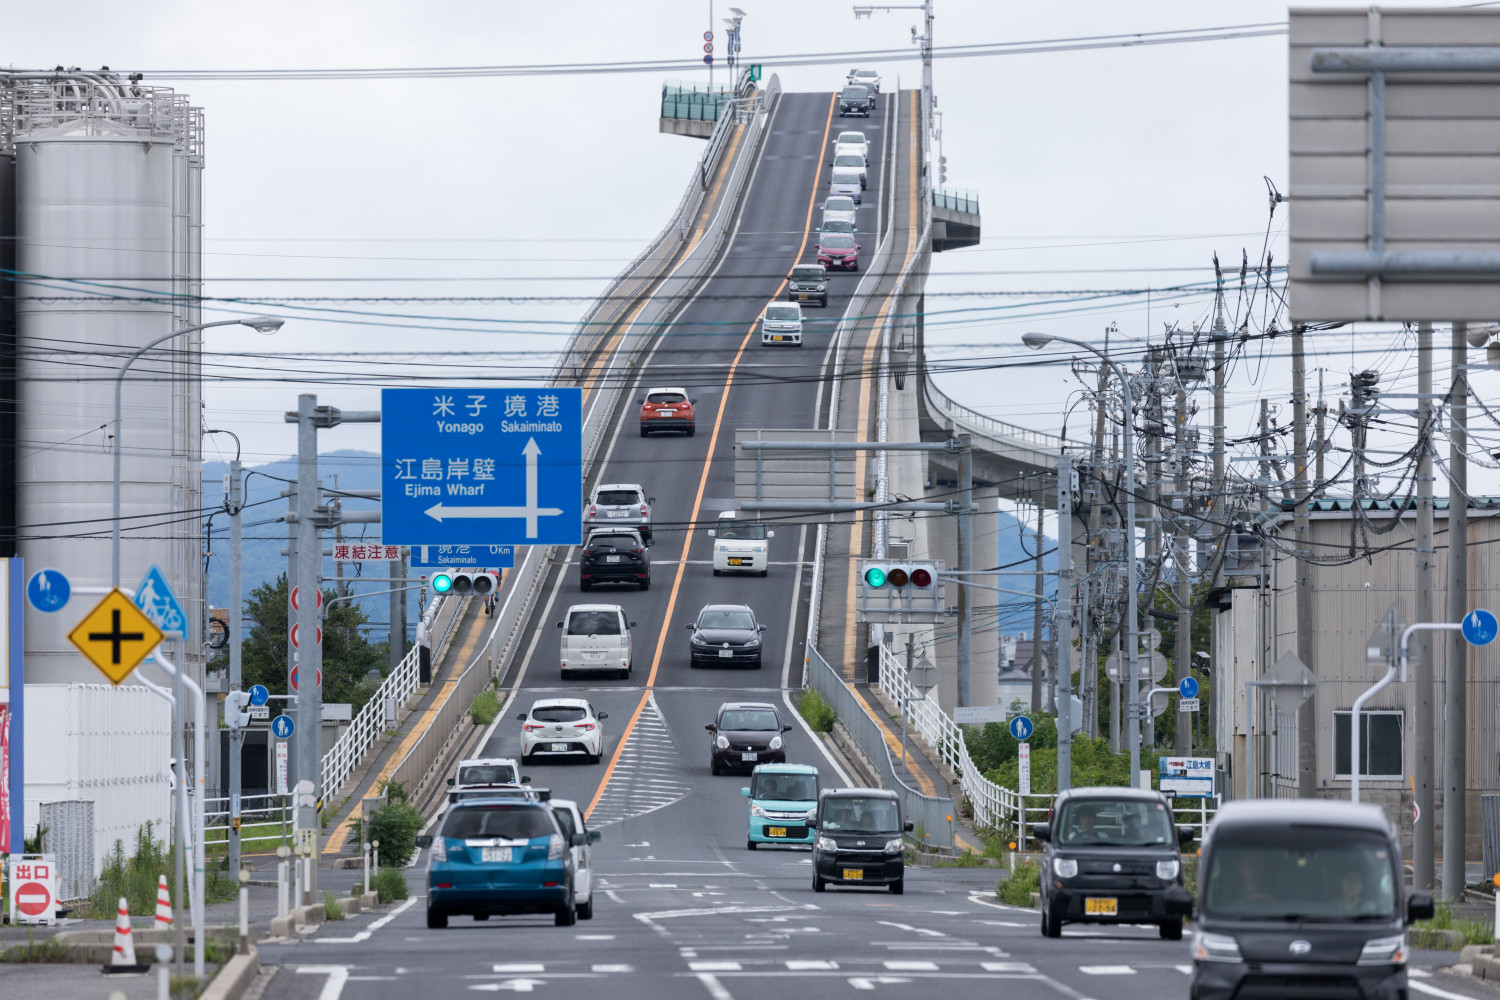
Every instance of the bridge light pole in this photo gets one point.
(1036, 341)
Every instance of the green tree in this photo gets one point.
(347, 657)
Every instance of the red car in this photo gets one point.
(667, 409)
(838, 250)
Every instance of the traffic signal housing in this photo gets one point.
(480, 582)
(900, 592)
(237, 709)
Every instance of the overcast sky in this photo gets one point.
(1106, 169)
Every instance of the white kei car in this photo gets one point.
(562, 727)
(596, 637)
(570, 818)
(740, 546)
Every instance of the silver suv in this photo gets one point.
(619, 505)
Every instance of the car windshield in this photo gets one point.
(856, 94)
(807, 274)
(594, 623)
(783, 313)
(617, 498)
(860, 815)
(865, 74)
(726, 619)
(838, 226)
(666, 398)
(837, 241)
(746, 531)
(1116, 822)
(848, 160)
(853, 137)
(1302, 874)
(564, 820)
(558, 713)
(839, 205)
(487, 774)
(614, 542)
(784, 787)
(845, 177)
(504, 822)
(461, 794)
(750, 720)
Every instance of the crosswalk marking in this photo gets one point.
(513, 967)
(1022, 967)
(897, 965)
(714, 966)
(1106, 970)
(810, 965)
(616, 969)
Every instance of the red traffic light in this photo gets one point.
(921, 578)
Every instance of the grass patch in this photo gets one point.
(253, 837)
(1475, 930)
(47, 951)
(967, 859)
(484, 707)
(390, 883)
(817, 712)
(1016, 889)
(331, 908)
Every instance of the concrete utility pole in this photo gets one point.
(1456, 681)
(308, 654)
(1063, 629)
(1425, 553)
(1036, 614)
(1307, 717)
(1220, 336)
(966, 565)
(397, 623)
(236, 613)
(1183, 728)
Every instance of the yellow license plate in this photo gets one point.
(775, 831)
(735, 561)
(854, 874)
(777, 336)
(1101, 907)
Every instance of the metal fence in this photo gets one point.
(266, 823)
(695, 100)
(69, 838)
(957, 199)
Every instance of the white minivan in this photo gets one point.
(741, 545)
(596, 638)
(570, 818)
(781, 323)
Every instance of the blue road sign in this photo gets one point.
(1480, 627)
(1188, 688)
(463, 556)
(1021, 727)
(259, 695)
(156, 599)
(282, 727)
(48, 590)
(481, 466)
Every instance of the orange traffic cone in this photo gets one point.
(123, 959)
(163, 904)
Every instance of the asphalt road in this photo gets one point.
(682, 908)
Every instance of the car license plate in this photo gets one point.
(593, 654)
(775, 831)
(618, 513)
(1106, 907)
(494, 853)
(737, 561)
(611, 559)
(559, 747)
(749, 756)
(777, 336)
(666, 413)
(803, 295)
(854, 874)
(725, 654)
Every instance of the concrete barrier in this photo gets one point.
(297, 918)
(234, 978)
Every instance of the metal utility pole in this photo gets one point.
(397, 623)
(1183, 728)
(1425, 552)
(308, 653)
(966, 565)
(236, 613)
(1456, 681)
(1036, 614)
(1114, 698)
(1322, 412)
(1063, 628)
(1307, 717)
(925, 41)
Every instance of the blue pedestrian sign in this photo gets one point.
(1480, 627)
(48, 590)
(282, 727)
(1021, 727)
(1188, 688)
(463, 556)
(156, 599)
(259, 695)
(481, 466)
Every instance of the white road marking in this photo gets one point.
(715, 988)
(596, 937)
(1106, 970)
(337, 976)
(870, 982)
(925, 932)
(715, 966)
(517, 968)
(1433, 991)
(1025, 968)
(809, 965)
(898, 965)
(364, 935)
(1419, 973)
(1186, 970)
(614, 969)
(516, 985)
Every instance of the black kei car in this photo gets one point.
(1111, 856)
(1302, 897)
(746, 734)
(614, 555)
(725, 635)
(859, 839)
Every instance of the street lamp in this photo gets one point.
(1036, 341)
(262, 324)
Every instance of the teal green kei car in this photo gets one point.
(781, 798)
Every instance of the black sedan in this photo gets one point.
(618, 555)
(746, 734)
(725, 635)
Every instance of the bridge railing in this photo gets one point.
(983, 425)
(956, 199)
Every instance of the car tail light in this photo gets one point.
(684, 405)
(588, 552)
(587, 727)
(635, 551)
(645, 509)
(534, 729)
(593, 510)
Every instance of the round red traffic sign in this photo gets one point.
(297, 645)
(317, 603)
(708, 46)
(33, 899)
(292, 678)
(708, 36)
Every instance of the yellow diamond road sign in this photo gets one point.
(116, 636)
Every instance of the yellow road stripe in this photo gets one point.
(687, 541)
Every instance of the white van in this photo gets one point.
(596, 638)
(781, 323)
(741, 545)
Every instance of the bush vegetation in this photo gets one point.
(1475, 930)
(390, 883)
(1017, 887)
(817, 712)
(395, 823)
(484, 707)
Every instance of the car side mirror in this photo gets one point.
(688, 626)
(602, 716)
(1177, 902)
(1186, 835)
(1419, 906)
(711, 728)
(634, 624)
(452, 782)
(760, 628)
(858, 247)
(745, 792)
(641, 401)
(526, 780)
(908, 826)
(694, 401)
(559, 624)
(786, 728)
(423, 840)
(1041, 831)
(579, 840)
(812, 821)
(712, 533)
(595, 836)
(521, 717)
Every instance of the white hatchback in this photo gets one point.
(781, 323)
(562, 727)
(740, 546)
(852, 142)
(570, 818)
(595, 638)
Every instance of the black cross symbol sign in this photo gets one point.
(114, 636)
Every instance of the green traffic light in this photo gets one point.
(875, 577)
(442, 583)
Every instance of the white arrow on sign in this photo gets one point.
(870, 982)
(518, 985)
(530, 512)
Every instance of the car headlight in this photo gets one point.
(555, 847)
(1167, 870)
(775, 742)
(1064, 867)
(721, 548)
(758, 812)
(721, 741)
(1384, 951)
(1215, 948)
(698, 640)
(751, 643)
(758, 548)
(827, 844)
(893, 846)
